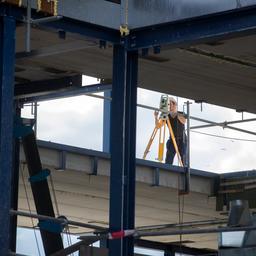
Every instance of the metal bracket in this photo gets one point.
(156, 177)
(124, 30)
(62, 161)
(51, 226)
(22, 127)
(40, 176)
(94, 166)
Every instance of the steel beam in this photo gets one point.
(52, 241)
(197, 30)
(182, 33)
(43, 87)
(192, 231)
(222, 124)
(7, 53)
(15, 186)
(122, 148)
(67, 92)
(106, 121)
(130, 148)
(187, 182)
(57, 220)
(64, 24)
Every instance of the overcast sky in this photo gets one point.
(78, 121)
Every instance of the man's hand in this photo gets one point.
(181, 118)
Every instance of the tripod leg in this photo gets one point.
(174, 142)
(159, 125)
(161, 143)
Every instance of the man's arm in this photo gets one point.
(182, 118)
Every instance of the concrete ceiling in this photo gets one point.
(221, 73)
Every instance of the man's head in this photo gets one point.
(173, 104)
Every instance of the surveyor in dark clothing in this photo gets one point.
(177, 121)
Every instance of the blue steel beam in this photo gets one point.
(130, 148)
(15, 186)
(68, 92)
(7, 53)
(42, 87)
(117, 128)
(52, 241)
(122, 148)
(106, 121)
(182, 33)
(85, 29)
(202, 29)
(64, 24)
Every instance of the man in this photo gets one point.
(177, 121)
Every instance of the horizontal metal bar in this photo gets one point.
(43, 87)
(69, 92)
(46, 19)
(238, 182)
(227, 126)
(230, 191)
(72, 149)
(237, 175)
(207, 121)
(16, 254)
(184, 224)
(223, 124)
(60, 220)
(197, 30)
(248, 187)
(194, 231)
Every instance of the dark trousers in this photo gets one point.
(170, 150)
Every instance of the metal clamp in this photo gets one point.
(40, 176)
(51, 226)
(124, 30)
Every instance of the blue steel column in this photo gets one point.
(15, 186)
(130, 147)
(106, 121)
(7, 53)
(122, 148)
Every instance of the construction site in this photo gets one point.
(78, 200)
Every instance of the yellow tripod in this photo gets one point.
(161, 124)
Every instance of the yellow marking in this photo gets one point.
(124, 30)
